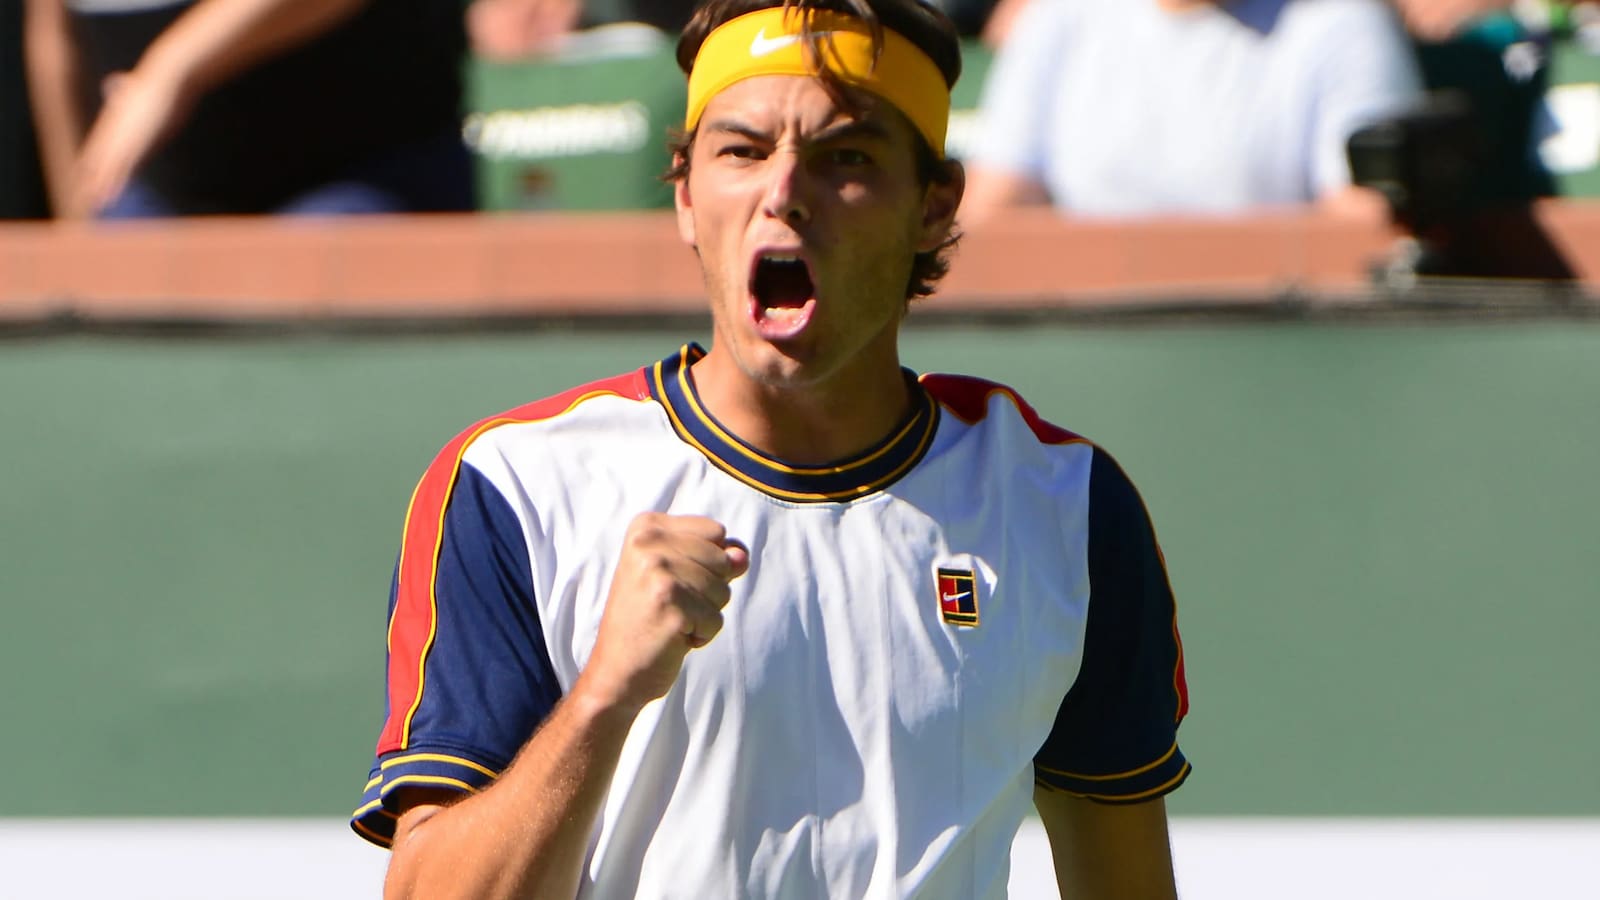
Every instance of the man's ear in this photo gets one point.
(685, 207)
(939, 204)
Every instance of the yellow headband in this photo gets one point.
(767, 42)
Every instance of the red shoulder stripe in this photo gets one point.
(415, 617)
(1180, 680)
(968, 399)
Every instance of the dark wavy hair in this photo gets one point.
(924, 26)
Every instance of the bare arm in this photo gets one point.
(53, 78)
(991, 191)
(1440, 20)
(210, 43)
(527, 835)
(218, 39)
(1356, 203)
(514, 29)
(1108, 852)
(1001, 17)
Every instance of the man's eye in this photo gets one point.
(740, 151)
(849, 156)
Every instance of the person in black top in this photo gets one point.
(250, 106)
(21, 180)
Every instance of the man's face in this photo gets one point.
(806, 217)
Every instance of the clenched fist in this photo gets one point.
(666, 599)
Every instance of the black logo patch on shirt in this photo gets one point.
(958, 596)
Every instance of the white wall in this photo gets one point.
(1216, 859)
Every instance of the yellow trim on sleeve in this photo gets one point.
(1155, 791)
(1119, 775)
(1119, 798)
(434, 757)
(373, 836)
(366, 808)
(440, 780)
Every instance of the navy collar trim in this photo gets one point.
(867, 472)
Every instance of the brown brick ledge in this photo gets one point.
(634, 264)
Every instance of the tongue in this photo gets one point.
(783, 284)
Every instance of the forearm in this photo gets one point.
(528, 834)
(1107, 852)
(53, 79)
(990, 192)
(217, 39)
(1357, 204)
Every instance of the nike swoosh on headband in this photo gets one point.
(761, 45)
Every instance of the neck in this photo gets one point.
(805, 424)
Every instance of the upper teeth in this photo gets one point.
(780, 257)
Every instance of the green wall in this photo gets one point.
(1382, 540)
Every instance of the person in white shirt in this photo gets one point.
(1184, 107)
(781, 618)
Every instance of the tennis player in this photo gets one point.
(781, 618)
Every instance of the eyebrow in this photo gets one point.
(870, 129)
(850, 128)
(731, 126)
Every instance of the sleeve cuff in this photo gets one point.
(1144, 783)
(375, 818)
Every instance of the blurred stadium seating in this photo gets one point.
(580, 129)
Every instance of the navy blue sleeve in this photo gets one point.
(469, 675)
(1115, 737)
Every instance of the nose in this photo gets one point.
(788, 193)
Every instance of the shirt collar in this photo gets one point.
(864, 473)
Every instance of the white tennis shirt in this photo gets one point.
(926, 630)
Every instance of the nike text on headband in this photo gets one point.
(768, 42)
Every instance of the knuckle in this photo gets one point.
(645, 534)
(648, 525)
(660, 585)
(677, 618)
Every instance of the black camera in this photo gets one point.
(1428, 163)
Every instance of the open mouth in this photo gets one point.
(784, 292)
(781, 281)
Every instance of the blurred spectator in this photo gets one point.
(21, 182)
(516, 29)
(1440, 20)
(970, 16)
(513, 29)
(997, 23)
(1462, 173)
(1147, 107)
(1494, 65)
(171, 107)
